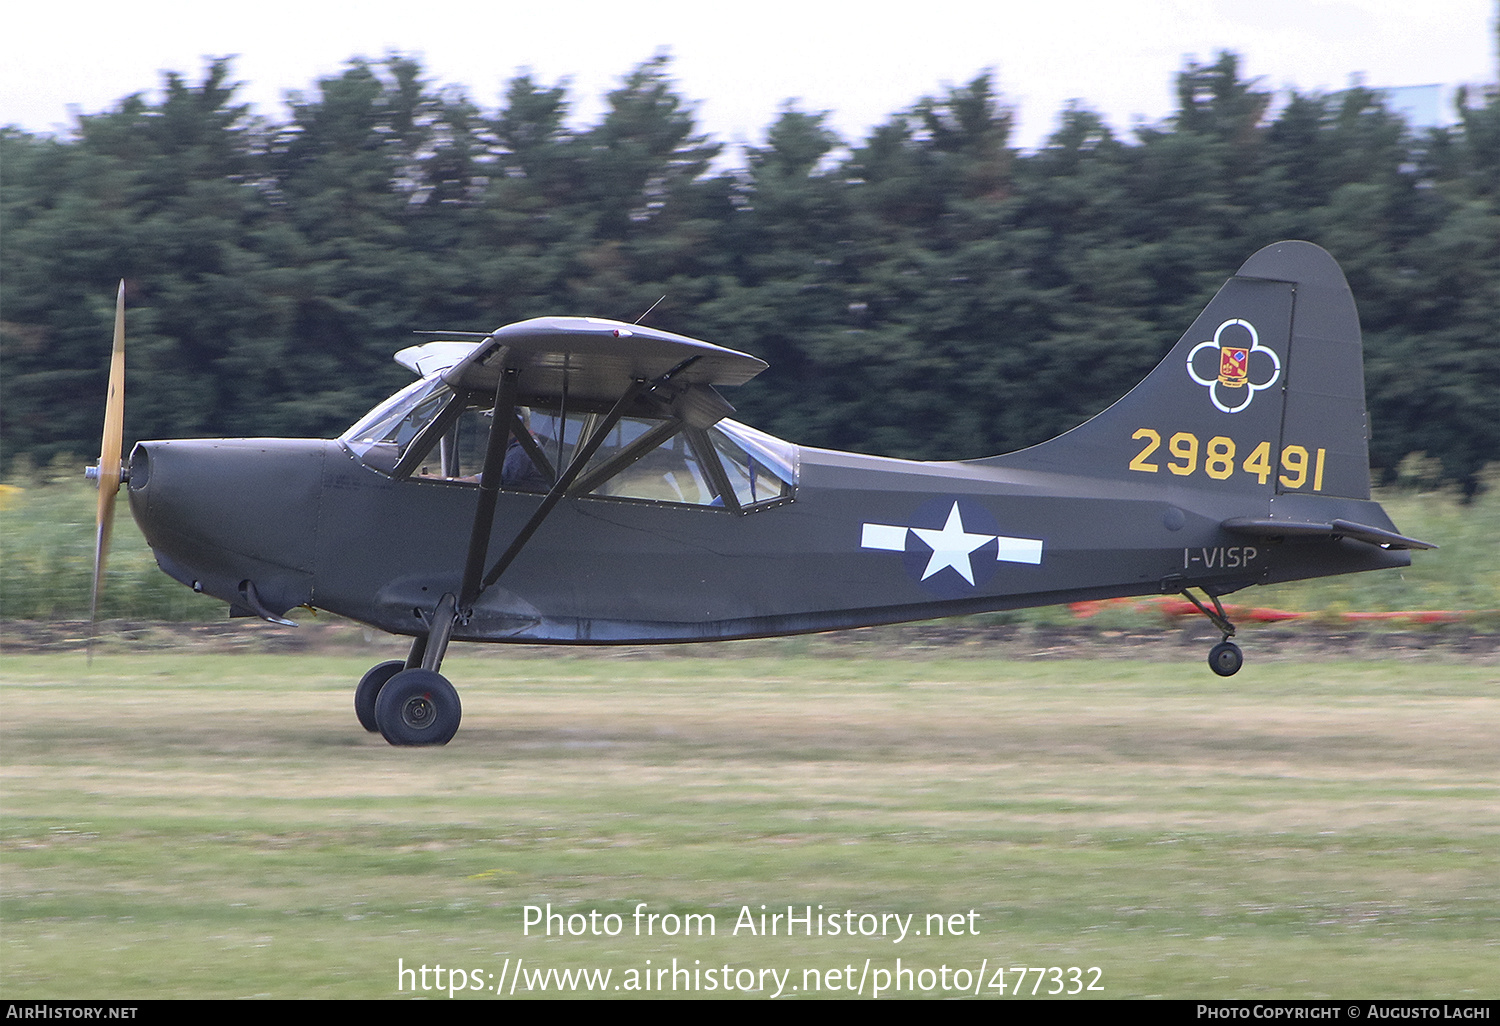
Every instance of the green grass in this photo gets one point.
(183, 825)
(1463, 573)
(47, 558)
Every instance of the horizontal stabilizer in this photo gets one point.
(1268, 528)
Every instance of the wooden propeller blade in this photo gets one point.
(109, 459)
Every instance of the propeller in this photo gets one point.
(107, 474)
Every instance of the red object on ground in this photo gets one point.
(1257, 614)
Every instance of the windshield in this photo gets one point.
(382, 435)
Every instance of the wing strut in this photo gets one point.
(489, 486)
(560, 488)
(580, 460)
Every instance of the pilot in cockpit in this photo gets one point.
(519, 473)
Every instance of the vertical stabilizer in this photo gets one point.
(1263, 395)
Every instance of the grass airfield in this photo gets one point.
(187, 825)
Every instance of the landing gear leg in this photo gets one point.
(418, 650)
(417, 705)
(1225, 658)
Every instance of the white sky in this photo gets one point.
(739, 62)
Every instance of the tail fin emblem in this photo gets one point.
(1234, 366)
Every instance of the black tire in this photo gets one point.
(418, 707)
(1225, 659)
(368, 690)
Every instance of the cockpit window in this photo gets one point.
(383, 435)
(426, 431)
(636, 462)
(760, 468)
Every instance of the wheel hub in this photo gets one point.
(418, 712)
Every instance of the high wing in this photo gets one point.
(588, 359)
(434, 357)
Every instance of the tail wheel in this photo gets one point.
(417, 707)
(1225, 659)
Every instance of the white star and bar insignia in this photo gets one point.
(952, 546)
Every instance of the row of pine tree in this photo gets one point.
(928, 291)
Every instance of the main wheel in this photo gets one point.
(418, 707)
(1225, 659)
(368, 690)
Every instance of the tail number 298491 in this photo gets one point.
(1186, 455)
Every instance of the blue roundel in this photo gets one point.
(952, 547)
